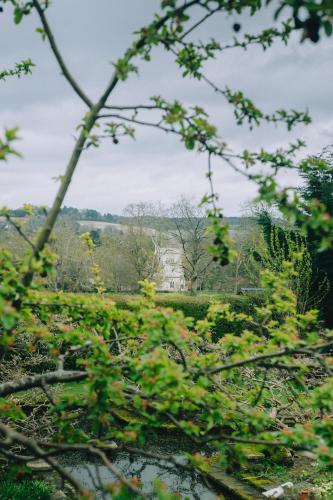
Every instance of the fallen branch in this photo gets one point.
(50, 378)
(12, 437)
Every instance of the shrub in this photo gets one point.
(35, 489)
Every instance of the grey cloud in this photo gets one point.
(154, 167)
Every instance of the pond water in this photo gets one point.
(91, 474)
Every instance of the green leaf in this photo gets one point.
(328, 28)
(41, 31)
(18, 15)
(189, 143)
(8, 321)
(11, 134)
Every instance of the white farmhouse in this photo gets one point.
(172, 275)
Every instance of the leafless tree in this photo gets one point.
(190, 231)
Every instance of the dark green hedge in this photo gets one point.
(196, 306)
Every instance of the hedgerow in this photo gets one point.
(197, 306)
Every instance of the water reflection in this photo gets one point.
(189, 486)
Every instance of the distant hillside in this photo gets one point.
(89, 214)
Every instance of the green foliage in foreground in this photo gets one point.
(25, 490)
(162, 368)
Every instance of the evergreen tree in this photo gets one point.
(279, 244)
(318, 185)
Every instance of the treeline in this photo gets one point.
(91, 214)
(136, 250)
(72, 212)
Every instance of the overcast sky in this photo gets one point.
(153, 168)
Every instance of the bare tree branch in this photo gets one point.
(114, 470)
(29, 382)
(13, 437)
(88, 125)
(19, 230)
(276, 354)
(134, 107)
(58, 56)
